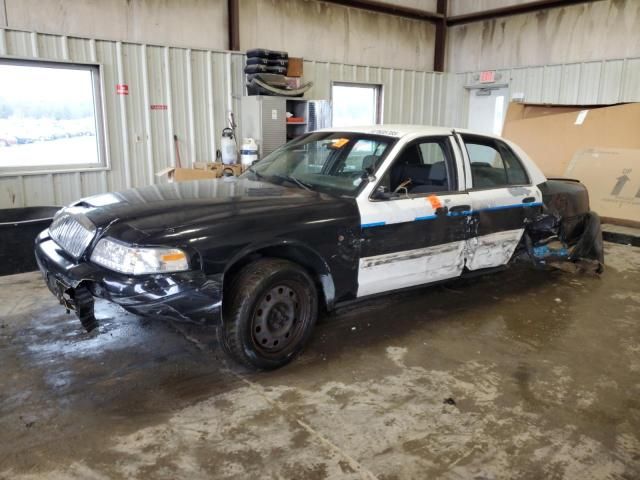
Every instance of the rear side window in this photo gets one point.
(493, 164)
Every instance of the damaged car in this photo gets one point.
(333, 216)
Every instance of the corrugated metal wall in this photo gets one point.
(200, 87)
(587, 83)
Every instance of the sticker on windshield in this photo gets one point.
(338, 142)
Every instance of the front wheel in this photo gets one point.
(269, 313)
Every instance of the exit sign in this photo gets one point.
(488, 76)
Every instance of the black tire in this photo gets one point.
(277, 70)
(269, 313)
(278, 62)
(256, 69)
(258, 53)
(258, 61)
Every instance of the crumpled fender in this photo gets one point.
(551, 240)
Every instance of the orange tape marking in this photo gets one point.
(434, 201)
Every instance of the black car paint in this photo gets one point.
(566, 217)
(218, 223)
(186, 296)
(222, 224)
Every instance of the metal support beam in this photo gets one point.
(381, 7)
(233, 24)
(512, 10)
(440, 47)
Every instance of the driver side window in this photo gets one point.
(421, 168)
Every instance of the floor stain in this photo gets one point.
(521, 374)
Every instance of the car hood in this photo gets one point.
(179, 205)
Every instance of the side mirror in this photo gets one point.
(380, 193)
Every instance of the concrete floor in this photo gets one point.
(542, 369)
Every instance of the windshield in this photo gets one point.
(333, 162)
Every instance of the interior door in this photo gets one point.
(487, 109)
(417, 234)
(502, 198)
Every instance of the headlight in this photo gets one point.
(138, 260)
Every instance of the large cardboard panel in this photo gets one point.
(522, 111)
(552, 139)
(612, 177)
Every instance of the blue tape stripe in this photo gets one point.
(459, 214)
(425, 217)
(374, 224)
(506, 207)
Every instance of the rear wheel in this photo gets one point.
(271, 309)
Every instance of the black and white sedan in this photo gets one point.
(330, 217)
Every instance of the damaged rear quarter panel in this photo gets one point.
(566, 230)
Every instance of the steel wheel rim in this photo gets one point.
(278, 318)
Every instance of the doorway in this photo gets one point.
(487, 109)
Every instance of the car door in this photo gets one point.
(417, 234)
(502, 197)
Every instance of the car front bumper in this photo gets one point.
(185, 296)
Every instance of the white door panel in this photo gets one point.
(492, 250)
(397, 270)
(500, 209)
(384, 221)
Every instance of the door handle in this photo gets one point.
(459, 209)
(441, 211)
(529, 200)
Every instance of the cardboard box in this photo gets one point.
(598, 145)
(186, 174)
(201, 171)
(612, 177)
(236, 169)
(295, 68)
(216, 167)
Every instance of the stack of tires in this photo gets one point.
(267, 65)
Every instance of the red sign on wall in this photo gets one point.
(122, 89)
(488, 76)
(159, 107)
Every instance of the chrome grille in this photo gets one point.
(72, 231)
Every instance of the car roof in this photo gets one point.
(393, 130)
(402, 130)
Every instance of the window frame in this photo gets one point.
(378, 87)
(499, 146)
(99, 102)
(450, 165)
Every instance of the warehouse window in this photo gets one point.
(49, 116)
(355, 104)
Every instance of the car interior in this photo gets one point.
(420, 168)
(489, 168)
